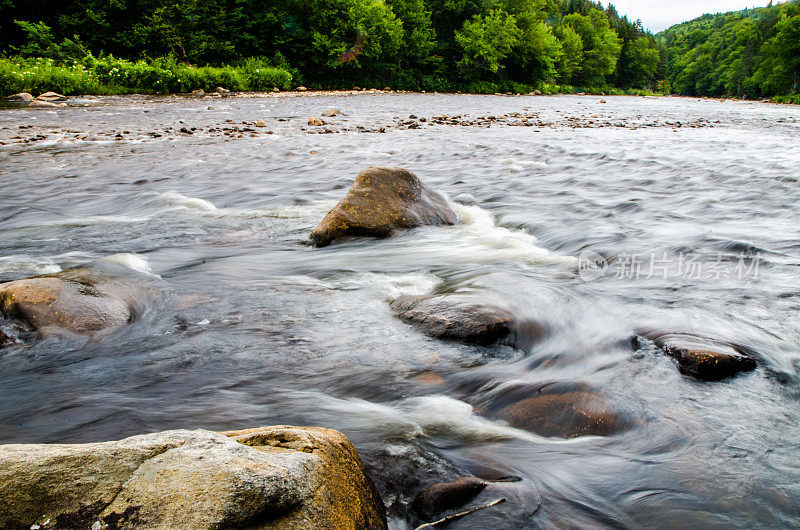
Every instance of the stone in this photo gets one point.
(221, 90)
(261, 123)
(5, 340)
(701, 357)
(83, 300)
(301, 89)
(51, 96)
(380, 201)
(560, 410)
(39, 104)
(470, 318)
(330, 113)
(22, 96)
(276, 89)
(537, 92)
(316, 122)
(198, 92)
(439, 498)
(387, 88)
(265, 478)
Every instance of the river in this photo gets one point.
(257, 327)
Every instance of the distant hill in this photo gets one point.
(749, 53)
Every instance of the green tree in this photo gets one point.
(487, 40)
(601, 47)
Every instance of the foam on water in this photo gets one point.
(174, 198)
(479, 227)
(131, 261)
(393, 285)
(28, 265)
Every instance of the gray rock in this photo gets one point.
(269, 477)
(470, 318)
(22, 96)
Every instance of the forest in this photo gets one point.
(480, 46)
(751, 53)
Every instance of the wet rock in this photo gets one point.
(469, 318)
(84, 299)
(463, 318)
(5, 340)
(316, 122)
(701, 357)
(561, 410)
(44, 104)
(380, 201)
(261, 123)
(222, 91)
(537, 92)
(276, 89)
(439, 498)
(330, 113)
(269, 477)
(301, 89)
(22, 96)
(51, 96)
(198, 92)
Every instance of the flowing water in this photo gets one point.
(257, 327)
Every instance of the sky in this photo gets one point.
(661, 14)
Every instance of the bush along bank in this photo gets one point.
(109, 75)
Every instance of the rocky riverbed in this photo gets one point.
(569, 310)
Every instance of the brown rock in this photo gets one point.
(222, 91)
(51, 96)
(266, 478)
(301, 89)
(83, 300)
(557, 410)
(330, 113)
(445, 496)
(316, 122)
(380, 201)
(702, 357)
(261, 123)
(198, 92)
(22, 96)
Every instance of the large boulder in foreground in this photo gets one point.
(469, 318)
(380, 201)
(701, 357)
(269, 477)
(84, 299)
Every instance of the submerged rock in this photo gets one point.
(44, 104)
(701, 357)
(222, 91)
(83, 299)
(269, 477)
(316, 122)
(51, 96)
(22, 96)
(445, 496)
(468, 318)
(380, 201)
(557, 410)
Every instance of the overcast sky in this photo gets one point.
(661, 14)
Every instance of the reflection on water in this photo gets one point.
(258, 327)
